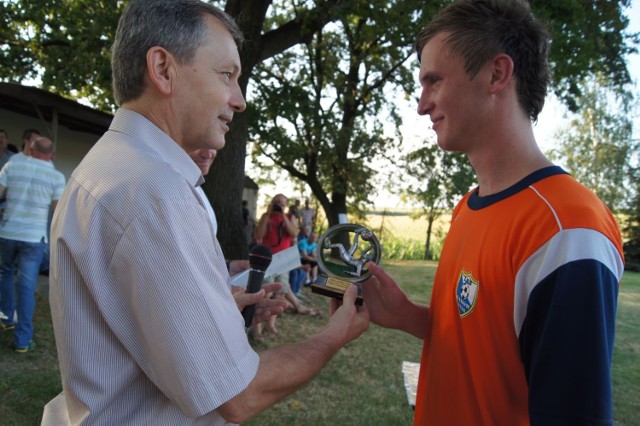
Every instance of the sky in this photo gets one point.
(417, 129)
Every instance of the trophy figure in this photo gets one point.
(343, 252)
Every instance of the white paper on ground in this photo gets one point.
(281, 263)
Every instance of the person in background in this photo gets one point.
(277, 230)
(204, 158)
(307, 215)
(4, 158)
(307, 249)
(32, 187)
(28, 136)
(5, 154)
(521, 324)
(304, 233)
(248, 221)
(147, 329)
(294, 212)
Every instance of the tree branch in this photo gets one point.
(300, 29)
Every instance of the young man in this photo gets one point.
(521, 322)
(146, 326)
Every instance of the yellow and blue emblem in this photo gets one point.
(466, 293)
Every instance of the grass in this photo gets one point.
(626, 355)
(28, 381)
(362, 384)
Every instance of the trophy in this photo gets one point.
(342, 254)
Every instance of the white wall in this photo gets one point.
(72, 145)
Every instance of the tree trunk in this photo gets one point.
(224, 186)
(427, 247)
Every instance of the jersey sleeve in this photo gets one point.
(567, 333)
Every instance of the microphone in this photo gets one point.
(259, 260)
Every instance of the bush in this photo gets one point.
(401, 249)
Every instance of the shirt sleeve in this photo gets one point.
(58, 187)
(566, 343)
(180, 321)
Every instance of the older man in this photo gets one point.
(147, 329)
(32, 187)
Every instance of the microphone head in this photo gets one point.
(259, 257)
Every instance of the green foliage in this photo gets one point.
(632, 228)
(65, 43)
(588, 38)
(401, 249)
(394, 248)
(321, 100)
(313, 113)
(597, 145)
(436, 180)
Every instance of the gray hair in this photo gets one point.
(176, 25)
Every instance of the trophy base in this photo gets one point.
(334, 287)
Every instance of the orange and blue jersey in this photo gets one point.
(522, 316)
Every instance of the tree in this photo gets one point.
(313, 115)
(437, 180)
(65, 43)
(580, 30)
(632, 229)
(597, 145)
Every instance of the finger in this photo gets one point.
(363, 310)
(271, 287)
(253, 298)
(379, 273)
(272, 303)
(335, 304)
(350, 295)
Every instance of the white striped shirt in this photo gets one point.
(209, 207)
(32, 185)
(146, 327)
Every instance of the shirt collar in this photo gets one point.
(138, 126)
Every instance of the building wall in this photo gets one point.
(71, 147)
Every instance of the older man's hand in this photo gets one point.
(265, 306)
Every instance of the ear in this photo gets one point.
(501, 72)
(161, 69)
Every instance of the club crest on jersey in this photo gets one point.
(466, 293)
